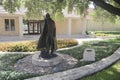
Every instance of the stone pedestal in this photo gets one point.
(46, 62)
(36, 65)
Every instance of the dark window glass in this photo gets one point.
(12, 24)
(7, 24)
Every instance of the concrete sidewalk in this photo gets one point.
(18, 38)
(36, 37)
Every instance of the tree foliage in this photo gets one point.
(37, 8)
(102, 15)
(11, 5)
(111, 6)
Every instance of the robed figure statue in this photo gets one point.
(47, 42)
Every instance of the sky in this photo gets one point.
(91, 5)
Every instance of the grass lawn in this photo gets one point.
(102, 48)
(7, 72)
(112, 73)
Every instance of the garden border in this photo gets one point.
(83, 71)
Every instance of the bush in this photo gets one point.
(66, 43)
(101, 34)
(25, 46)
(87, 32)
(107, 33)
(18, 48)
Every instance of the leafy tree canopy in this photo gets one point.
(11, 5)
(54, 7)
(112, 6)
(36, 8)
(100, 14)
(104, 15)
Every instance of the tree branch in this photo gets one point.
(107, 6)
(117, 1)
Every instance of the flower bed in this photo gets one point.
(25, 46)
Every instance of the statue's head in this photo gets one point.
(47, 16)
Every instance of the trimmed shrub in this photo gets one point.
(25, 46)
(18, 48)
(107, 33)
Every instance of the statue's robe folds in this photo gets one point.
(47, 39)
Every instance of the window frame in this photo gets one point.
(10, 25)
(7, 25)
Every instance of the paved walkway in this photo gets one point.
(18, 38)
(36, 37)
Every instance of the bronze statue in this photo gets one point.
(47, 42)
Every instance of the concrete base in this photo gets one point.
(32, 64)
(46, 62)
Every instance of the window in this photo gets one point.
(9, 24)
(12, 22)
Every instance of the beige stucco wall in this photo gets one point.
(76, 26)
(2, 25)
(61, 27)
(102, 26)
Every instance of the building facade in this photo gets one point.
(73, 24)
(10, 24)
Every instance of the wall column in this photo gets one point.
(69, 26)
(20, 26)
(28, 24)
(1, 22)
(84, 26)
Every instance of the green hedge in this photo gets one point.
(25, 46)
(106, 33)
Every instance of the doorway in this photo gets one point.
(34, 27)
